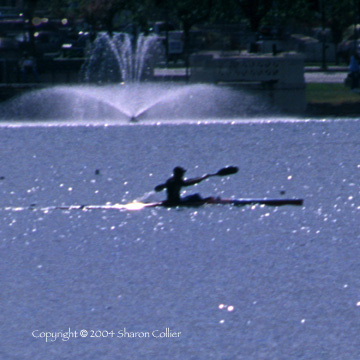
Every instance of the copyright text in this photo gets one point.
(52, 336)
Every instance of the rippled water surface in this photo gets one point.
(237, 282)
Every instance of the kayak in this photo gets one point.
(135, 205)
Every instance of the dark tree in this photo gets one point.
(29, 10)
(255, 11)
(102, 13)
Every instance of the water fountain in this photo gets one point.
(117, 86)
(115, 59)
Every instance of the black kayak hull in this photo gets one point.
(268, 202)
(210, 201)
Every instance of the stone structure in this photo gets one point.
(280, 78)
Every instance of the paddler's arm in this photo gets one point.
(195, 181)
(160, 187)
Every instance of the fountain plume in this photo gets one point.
(116, 59)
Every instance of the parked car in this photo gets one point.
(267, 32)
(348, 47)
(175, 39)
(8, 44)
(47, 42)
(350, 43)
(76, 45)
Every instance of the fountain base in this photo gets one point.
(134, 102)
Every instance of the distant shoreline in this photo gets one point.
(332, 109)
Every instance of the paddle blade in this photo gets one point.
(229, 170)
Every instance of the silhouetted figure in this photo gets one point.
(174, 185)
(354, 71)
(28, 66)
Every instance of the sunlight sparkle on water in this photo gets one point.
(134, 206)
(229, 308)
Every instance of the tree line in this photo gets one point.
(101, 14)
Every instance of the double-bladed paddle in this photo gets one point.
(228, 170)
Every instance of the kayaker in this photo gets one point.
(174, 185)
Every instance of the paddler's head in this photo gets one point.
(179, 171)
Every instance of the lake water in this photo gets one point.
(230, 282)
